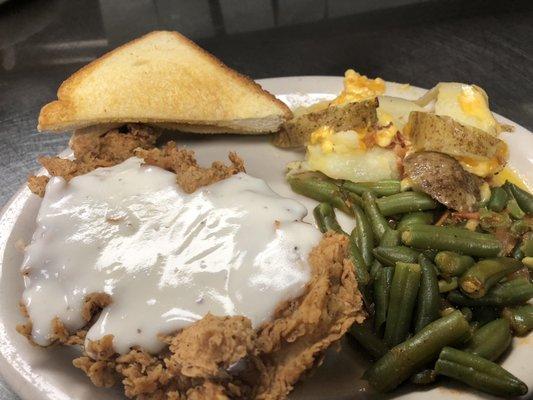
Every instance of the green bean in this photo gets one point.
(467, 312)
(382, 286)
(325, 218)
(491, 221)
(510, 293)
(415, 218)
(523, 198)
(320, 188)
(359, 264)
(474, 327)
(352, 198)
(514, 209)
(381, 188)
(491, 340)
(390, 238)
(485, 274)
(391, 255)
(375, 269)
(526, 246)
(521, 226)
(405, 359)
(405, 202)
(479, 373)
(447, 285)
(428, 303)
(447, 310)
(368, 340)
(449, 238)
(451, 264)
(403, 294)
(520, 318)
(363, 234)
(378, 222)
(498, 199)
(424, 377)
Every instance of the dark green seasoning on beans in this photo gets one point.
(486, 273)
(408, 357)
(405, 202)
(491, 340)
(451, 238)
(428, 304)
(325, 218)
(479, 373)
(403, 295)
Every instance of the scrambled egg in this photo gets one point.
(343, 155)
(358, 87)
(467, 104)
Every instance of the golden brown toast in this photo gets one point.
(163, 78)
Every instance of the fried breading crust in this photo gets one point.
(96, 149)
(217, 357)
(223, 357)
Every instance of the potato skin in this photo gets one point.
(443, 178)
(430, 132)
(356, 116)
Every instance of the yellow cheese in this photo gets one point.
(358, 87)
(508, 174)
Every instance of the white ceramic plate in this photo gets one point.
(46, 374)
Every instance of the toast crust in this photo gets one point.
(70, 111)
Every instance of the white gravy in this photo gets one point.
(166, 257)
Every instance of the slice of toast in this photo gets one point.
(163, 78)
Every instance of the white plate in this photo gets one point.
(46, 374)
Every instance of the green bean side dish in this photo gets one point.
(445, 292)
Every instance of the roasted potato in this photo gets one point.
(352, 116)
(477, 151)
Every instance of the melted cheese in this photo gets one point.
(467, 104)
(480, 167)
(507, 174)
(358, 87)
(166, 257)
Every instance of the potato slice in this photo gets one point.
(443, 178)
(469, 145)
(353, 116)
